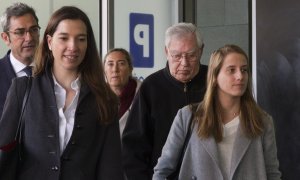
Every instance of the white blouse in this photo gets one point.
(66, 118)
(225, 147)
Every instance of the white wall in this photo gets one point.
(222, 22)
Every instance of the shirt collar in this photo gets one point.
(75, 85)
(17, 65)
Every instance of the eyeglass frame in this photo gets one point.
(33, 31)
(191, 56)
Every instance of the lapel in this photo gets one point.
(211, 148)
(84, 90)
(9, 70)
(240, 147)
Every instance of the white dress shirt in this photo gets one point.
(17, 66)
(66, 118)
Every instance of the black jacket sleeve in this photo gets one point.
(11, 112)
(110, 162)
(137, 141)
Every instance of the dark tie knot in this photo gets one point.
(28, 70)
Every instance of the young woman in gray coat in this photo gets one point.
(232, 138)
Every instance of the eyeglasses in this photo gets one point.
(20, 33)
(190, 56)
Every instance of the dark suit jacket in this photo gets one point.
(7, 73)
(93, 152)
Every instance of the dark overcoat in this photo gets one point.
(7, 73)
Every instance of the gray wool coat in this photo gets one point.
(252, 159)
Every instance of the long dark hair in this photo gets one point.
(208, 113)
(91, 69)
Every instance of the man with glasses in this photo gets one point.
(21, 34)
(161, 95)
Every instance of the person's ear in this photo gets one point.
(202, 47)
(49, 41)
(166, 50)
(201, 50)
(5, 38)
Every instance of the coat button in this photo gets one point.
(78, 126)
(54, 168)
(50, 135)
(66, 158)
(52, 152)
(194, 178)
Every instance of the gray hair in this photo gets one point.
(17, 9)
(180, 30)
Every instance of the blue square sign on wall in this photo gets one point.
(142, 39)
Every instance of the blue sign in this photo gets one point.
(142, 39)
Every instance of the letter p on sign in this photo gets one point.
(142, 39)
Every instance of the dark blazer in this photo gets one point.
(7, 73)
(93, 152)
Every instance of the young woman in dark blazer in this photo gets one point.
(71, 127)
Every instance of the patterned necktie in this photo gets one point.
(28, 70)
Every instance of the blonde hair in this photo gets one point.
(208, 114)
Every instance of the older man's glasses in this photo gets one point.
(190, 56)
(20, 33)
